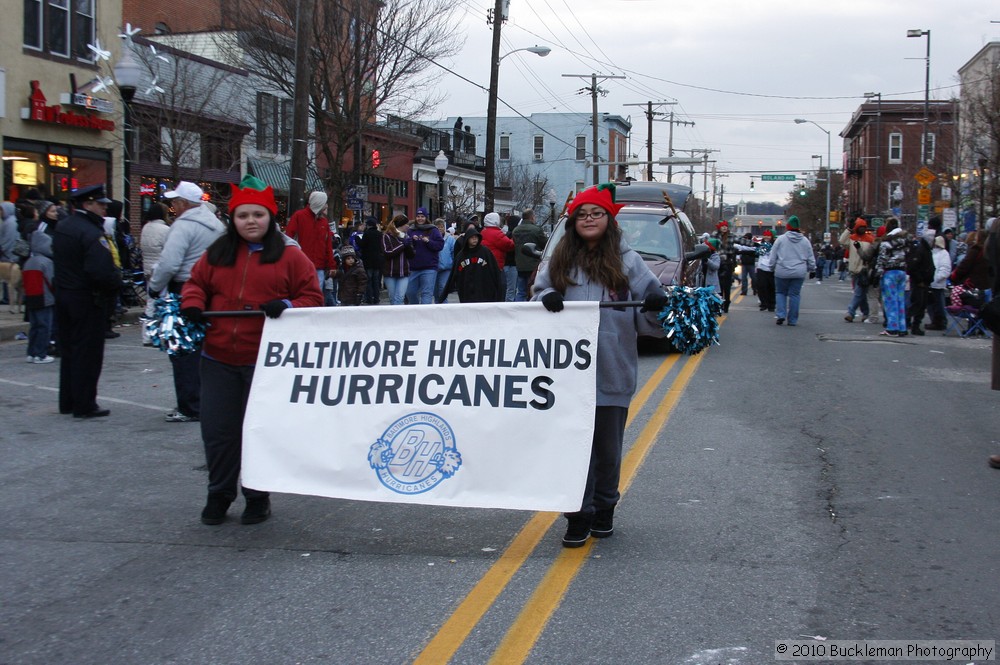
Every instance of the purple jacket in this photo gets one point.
(425, 252)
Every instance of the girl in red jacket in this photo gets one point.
(249, 268)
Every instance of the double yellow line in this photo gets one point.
(526, 629)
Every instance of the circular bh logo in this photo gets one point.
(415, 454)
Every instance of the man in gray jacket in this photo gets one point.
(193, 230)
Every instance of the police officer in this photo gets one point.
(85, 279)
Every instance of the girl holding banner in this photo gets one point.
(250, 267)
(593, 262)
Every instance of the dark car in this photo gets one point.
(654, 224)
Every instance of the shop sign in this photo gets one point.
(39, 111)
(87, 102)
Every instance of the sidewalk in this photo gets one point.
(12, 324)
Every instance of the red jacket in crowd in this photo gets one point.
(498, 243)
(313, 235)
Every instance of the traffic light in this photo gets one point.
(802, 189)
(751, 184)
(376, 159)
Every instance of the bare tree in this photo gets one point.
(527, 187)
(368, 57)
(189, 114)
(981, 136)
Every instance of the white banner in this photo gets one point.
(480, 405)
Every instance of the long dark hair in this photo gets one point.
(223, 251)
(602, 264)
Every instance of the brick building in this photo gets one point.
(883, 151)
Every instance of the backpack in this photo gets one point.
(919, 264)
(21, 249)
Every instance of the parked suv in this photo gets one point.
(654, 224)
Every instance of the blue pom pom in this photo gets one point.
(690, 319)
(171, 332)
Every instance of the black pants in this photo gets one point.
(918, 305)
(726, 284)
(605, 461)
(225, 390)
(765, 289)
(187, 383)
(373, 289)
(81, 319)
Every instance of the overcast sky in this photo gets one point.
(741, 71)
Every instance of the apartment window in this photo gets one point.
(895, 148)
(55, 27)
(581, 148)
(539, 147)
(931, 145)
(274, 124)
(579, 186)
(505, 147)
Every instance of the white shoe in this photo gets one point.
(819, 281)
(29, 359)
(44, 360)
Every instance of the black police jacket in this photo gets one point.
(82, 258)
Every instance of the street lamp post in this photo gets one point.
(127, 74)
(927, 86)
(441, 164)
(491, 116)
(799, 121)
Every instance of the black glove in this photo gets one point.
(274, 308)
(654, 302)
(812, 275)
(194, 315)
(553, 301)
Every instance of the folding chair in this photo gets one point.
(966, 314)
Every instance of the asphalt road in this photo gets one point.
(808, 481)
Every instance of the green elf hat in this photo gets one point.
(792, 224)
(602, 195)
(253, 190)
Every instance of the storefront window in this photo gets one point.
(53, 169)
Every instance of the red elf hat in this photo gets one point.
(253, 190)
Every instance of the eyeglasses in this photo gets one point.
(596, 214)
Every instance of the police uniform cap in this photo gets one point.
(91, 193)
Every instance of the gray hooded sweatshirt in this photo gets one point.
(189, 236)
(8, 231)
(792, 255)
(617, 354)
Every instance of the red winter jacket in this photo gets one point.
(313, 235)
(498, 243)
(247, 285)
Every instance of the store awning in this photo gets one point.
(279, 174)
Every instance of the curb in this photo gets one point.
(11, 324)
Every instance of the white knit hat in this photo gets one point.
(317, 201)
(492, 219)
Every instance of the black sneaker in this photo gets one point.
(603, 525)
(258, 509)
(577, 532)
(916, 330)
(215, 509)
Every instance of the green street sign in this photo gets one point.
(778, 176)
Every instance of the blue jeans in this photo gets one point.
(397, 289)
(522, 286)
(421, 287)
(510, 274)
(40, 332)
(860, 298)
(787, 298)
(442, 281)
(746, 278)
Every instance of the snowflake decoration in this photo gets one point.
(99, 53)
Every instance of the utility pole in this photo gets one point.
(300, 103)
(594, 90)
(650, 114)
(670, 144)
(495, 16)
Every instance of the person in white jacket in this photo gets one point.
(939, 285)
(193, 230)
(151, 240)
(793, 260)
